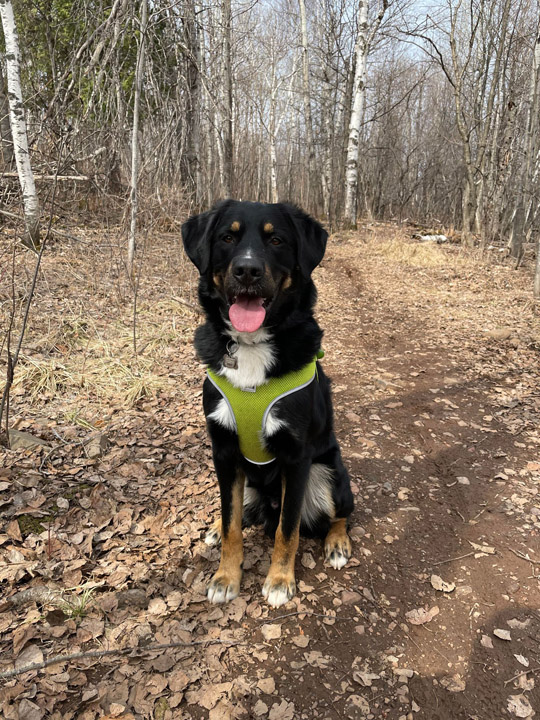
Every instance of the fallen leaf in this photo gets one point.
(518, 624)
(365, 678)
(284, 711)
(483, 548)
(271, 631)
(519, 706)
(260, 708)
(486, 641)
(29, 656)
(419, 616)
(29, 710)
(267, 685)
(439, 584)
(359, 702)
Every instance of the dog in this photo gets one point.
(266, 398)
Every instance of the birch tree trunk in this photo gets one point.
(139, 74)
(359, 94)
(18, 126)
(307, 104)
(225, 132)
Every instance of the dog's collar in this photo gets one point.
(250, 406)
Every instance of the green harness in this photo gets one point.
(250, 407)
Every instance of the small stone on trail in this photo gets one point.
(502, 634)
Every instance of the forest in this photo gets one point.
(393, 110)
(410, 129)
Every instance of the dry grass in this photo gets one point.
(103, 379)
(83, 362)
(421, 255)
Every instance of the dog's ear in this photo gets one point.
(196, 237)
(196, 234)
(312, 239)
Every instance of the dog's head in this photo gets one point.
(253, 257)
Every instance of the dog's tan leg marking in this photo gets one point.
(225, 585)
(213, 535)
(280, 586)
(337, 545)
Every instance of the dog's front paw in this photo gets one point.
(223, 588)
(278, 589)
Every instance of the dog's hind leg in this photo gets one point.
(337, 545)
(213, 535)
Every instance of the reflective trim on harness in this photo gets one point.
(250, 408)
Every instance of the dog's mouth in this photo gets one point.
(247, 312)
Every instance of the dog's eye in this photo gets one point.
(228, 238)
(275, 240)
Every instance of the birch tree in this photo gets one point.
(18, 126)
(225, 129)
(139, 74)
(308, 119)
(364, 39)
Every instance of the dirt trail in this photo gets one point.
(439, 426)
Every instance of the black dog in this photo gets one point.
(266, 399)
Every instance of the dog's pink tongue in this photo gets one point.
(247, 313)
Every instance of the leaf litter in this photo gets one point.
(105, 517)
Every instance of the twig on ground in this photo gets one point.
(103, 653)
(533, 670)
(522, 556)
(442, 562)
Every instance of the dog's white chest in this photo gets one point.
(254, 355)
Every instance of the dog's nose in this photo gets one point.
(247, 269)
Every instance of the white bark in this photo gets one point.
(307, 101)
(226, 109)
(359, 94)
(18, 125)
(139, 74)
